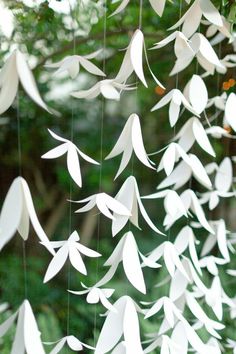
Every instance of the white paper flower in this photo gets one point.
(96, 294)
(72, 64)
(72, 342)
(108, 88)
(27, 337)
(192, 131)
(73, 154)
(17, 211)
(122, 322)
(192, 18)
(128, 253)
(14, 70)
(104, 203)
(71, 249)
(133, 60)
(129, 196)
(175, 98)
(130, 140)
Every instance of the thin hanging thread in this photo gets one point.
(176, 86)
(19, 148)
(101, 156)
(70, 190)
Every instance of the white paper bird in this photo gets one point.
(175, 98)
(122, 322)
(71, 249)
(129, 196)
(96, 294)
(192, 18)
(14, 70)
(27, 337)
(72, 64)
(17, 211)
(192, 131)
(73, 154)
(108, 88)
(104, 203)
(130, 140)
(71, 341)
(133, 60)
(128, 253)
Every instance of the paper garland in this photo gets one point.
(179, 256)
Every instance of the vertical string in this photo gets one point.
(70, 190)
(19, 148)
(176, 86)
(101, 158)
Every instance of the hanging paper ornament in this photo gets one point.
(14, 70)
(73, 154)
(17, 211)
(72, 64)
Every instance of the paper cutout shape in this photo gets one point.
(104, 203)
(129, 196)
(108, 88)
(128, 253)
(72, 342)
(133, 60)
(73, 154)
(17, 211)
(192, 131)
(183, 172)
(71, 249)
(196, 93)
(27, 337)
(192, 18)
(173, 204)
(175, 98)
(72, 64)
(14, 70)
(190, 164)
(171, 258)
(123, 321)
(130, 140)
(96, 295)
(223, 184)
